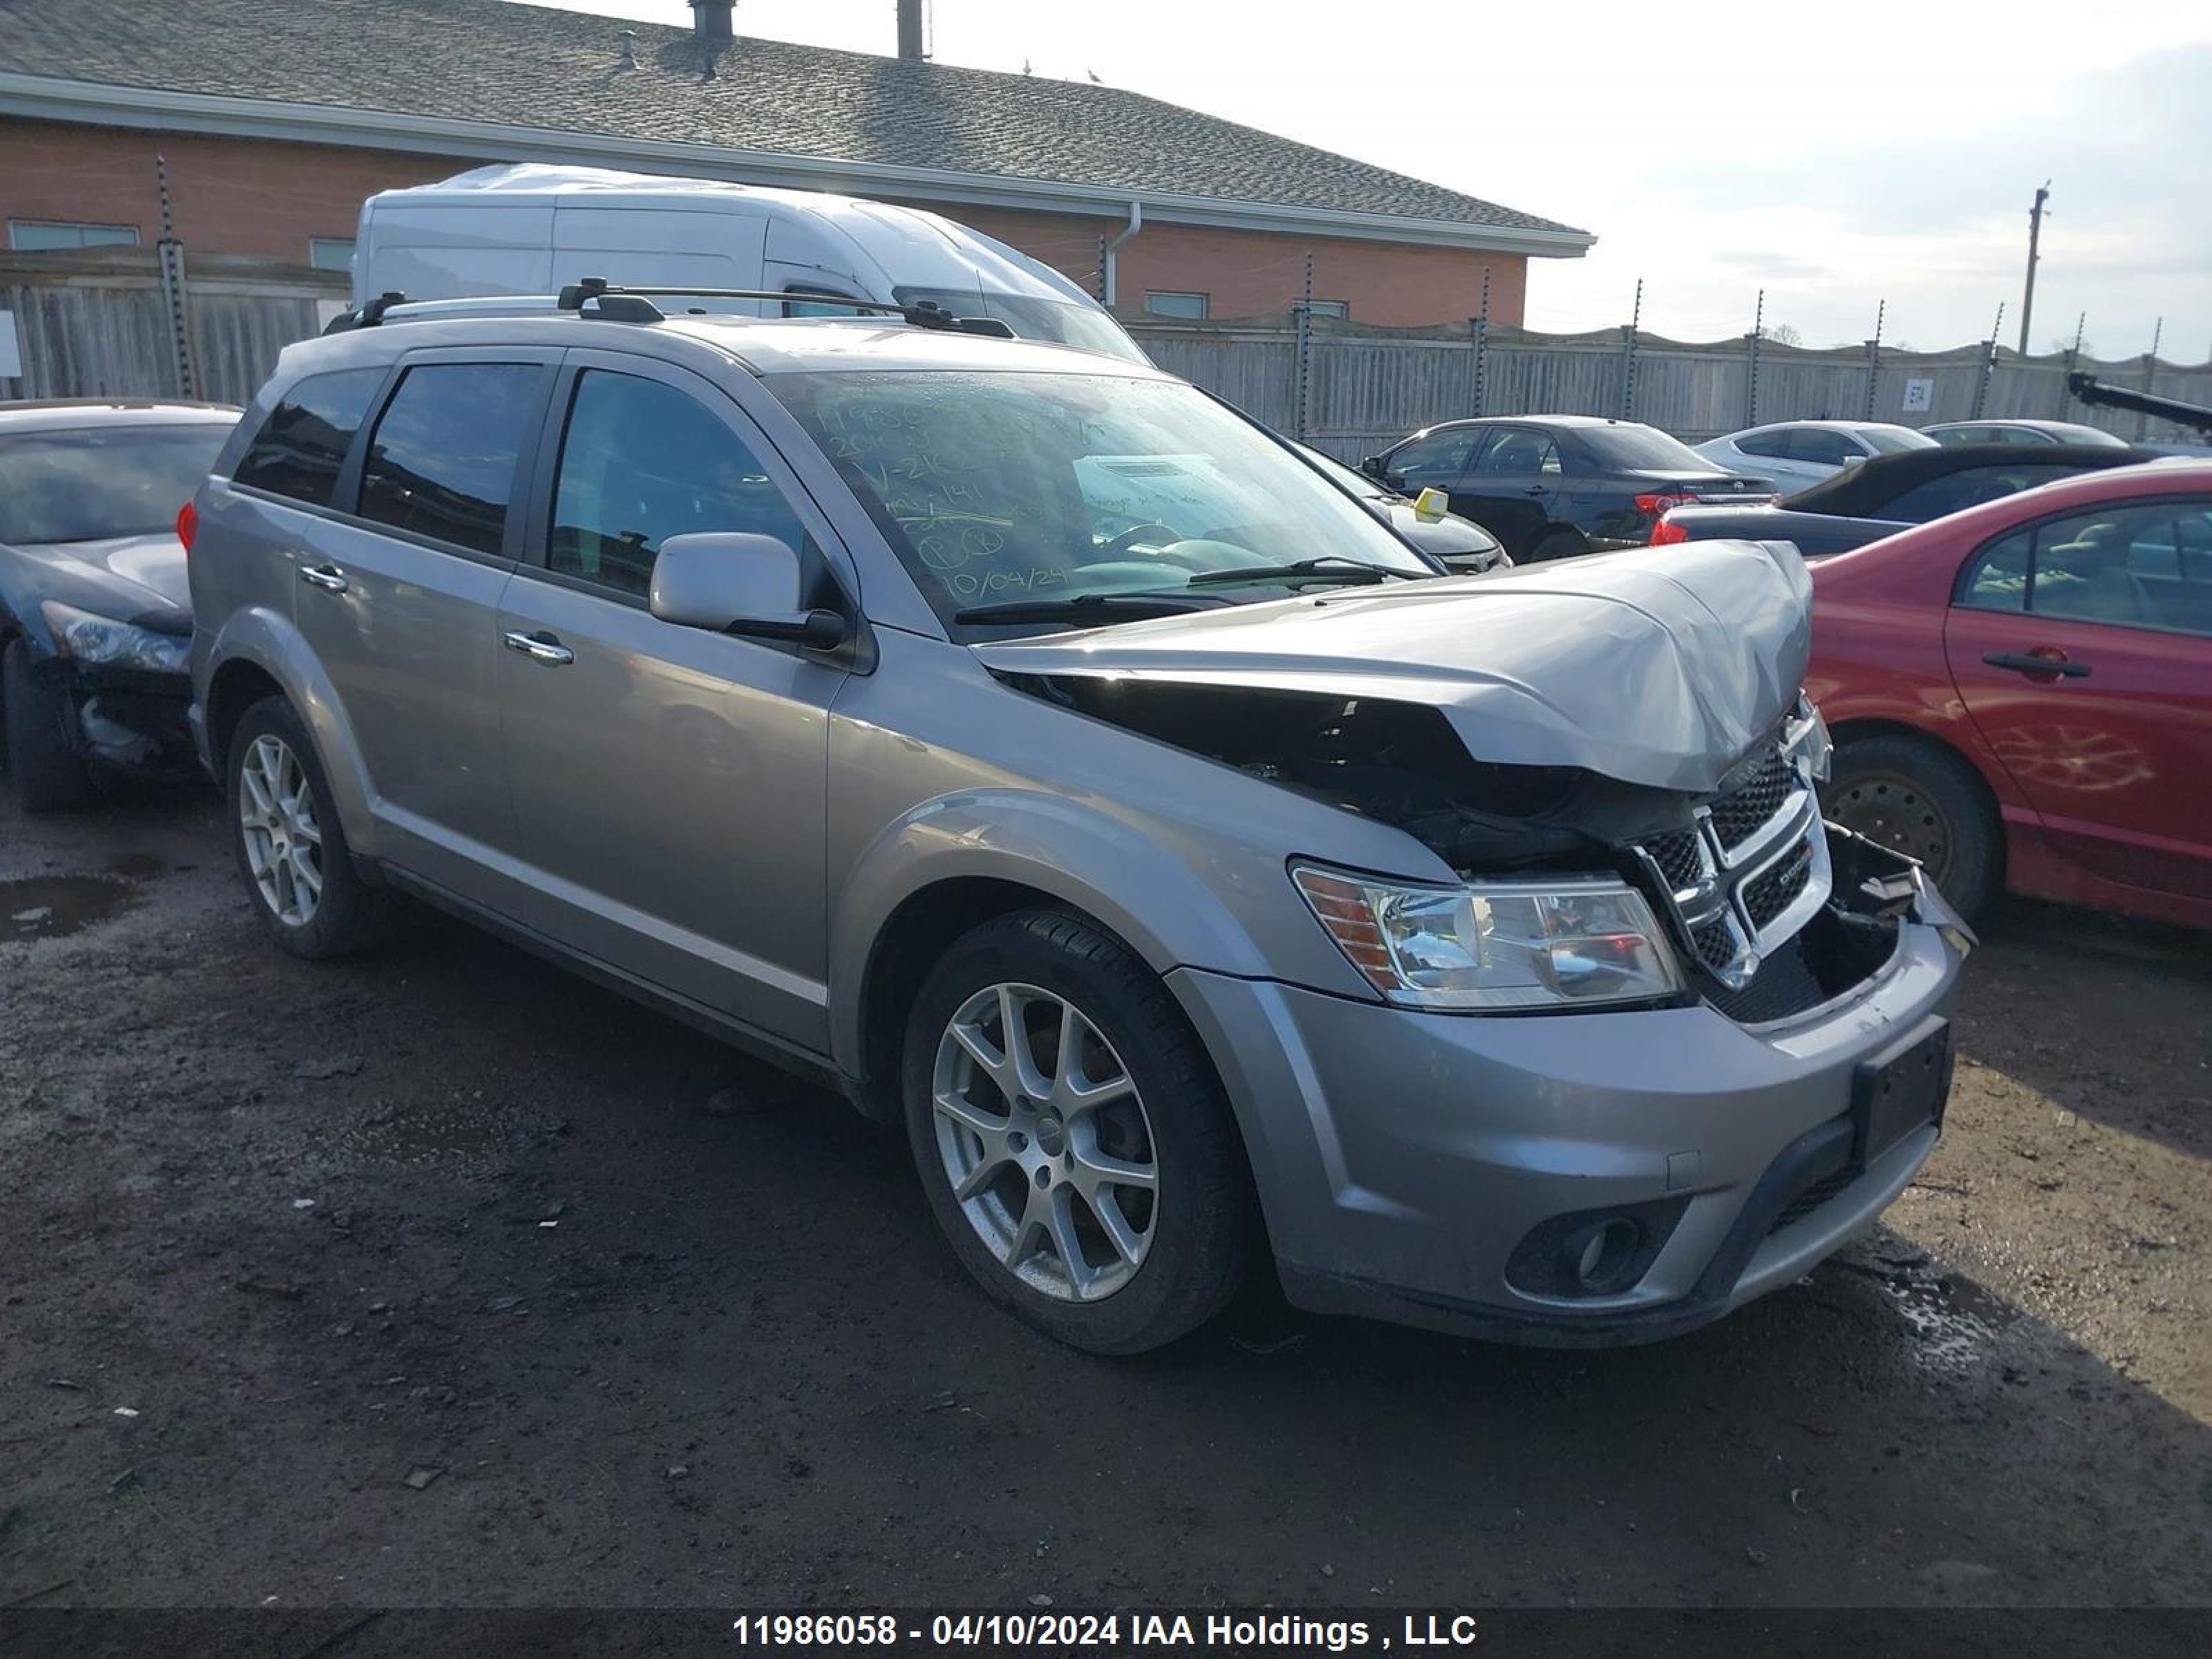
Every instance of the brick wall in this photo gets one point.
(267, 198)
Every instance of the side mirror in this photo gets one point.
(1372, 467)
(735, 582)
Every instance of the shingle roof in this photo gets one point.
(532, 66)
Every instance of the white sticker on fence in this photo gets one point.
(11, 351)
(1920, 395)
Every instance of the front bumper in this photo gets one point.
(1402, 1157)
(127, 721)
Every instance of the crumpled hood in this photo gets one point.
(134, 579)
(1658, 666)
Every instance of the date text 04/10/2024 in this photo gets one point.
(1072, 1631)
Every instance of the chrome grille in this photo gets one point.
(1753, 867)
(1748, 806)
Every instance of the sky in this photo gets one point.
(1838, 157)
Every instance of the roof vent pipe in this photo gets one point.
(910, 31)
(628, 59)
(710, 20)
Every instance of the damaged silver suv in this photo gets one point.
(1053, 761)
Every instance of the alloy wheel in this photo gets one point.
(1045, 1141)
(276, 814)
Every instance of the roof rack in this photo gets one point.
(631, 304)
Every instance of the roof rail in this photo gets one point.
(631, 304)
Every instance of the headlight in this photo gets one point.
(86, 638)
(1559, 942)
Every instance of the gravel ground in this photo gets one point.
(441, 1278)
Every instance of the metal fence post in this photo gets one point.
(1874, 354)
(1628, 362)
(1751, 379)
(2150, 377)
(1988, 364)
(1480, 327)
(175, 300)
(1305, 357)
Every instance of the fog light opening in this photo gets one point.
(1595, 1254)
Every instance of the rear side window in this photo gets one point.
(442, 461)
(640, 462)
(1822, 447)
(303, 444)
(1954, 492)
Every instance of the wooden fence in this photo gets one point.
(1351, 390)
(113, 322)
(148, 322)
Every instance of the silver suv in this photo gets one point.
(1058, 764)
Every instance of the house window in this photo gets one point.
(331, 252)
(1192, 306)
(47, 235)
(1338, 308)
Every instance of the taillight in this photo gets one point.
(188, 525)
(1665, 534)
(1652, 506)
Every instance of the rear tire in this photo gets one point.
(291, 849)
(45, 773)
(1157, 1254)
(1557, 544)
(1924, 801)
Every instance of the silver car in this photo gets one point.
(1041, 754)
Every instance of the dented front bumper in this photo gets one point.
(1428, 1169)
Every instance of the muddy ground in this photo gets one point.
(441, 1278)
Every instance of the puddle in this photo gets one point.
(1954, 1334)
(138, 867)
(54, 907)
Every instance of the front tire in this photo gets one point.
(291, 846)
(1072, 1137)
(45, 773)
(1925, 802)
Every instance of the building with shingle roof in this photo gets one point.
(274, 119)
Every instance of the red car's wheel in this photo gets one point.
(1926, 803)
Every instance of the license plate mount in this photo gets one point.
(1901, 1089)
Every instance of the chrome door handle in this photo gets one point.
(328, 577)
(540, 647)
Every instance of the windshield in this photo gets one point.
(1063, 322)
(87, 483)
(995, 486)
(1346, 478)
(1641, 449)
(1891, 439)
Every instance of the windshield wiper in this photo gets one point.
(1326, 568)
(1084, 608)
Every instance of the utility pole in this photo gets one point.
(2034, 238)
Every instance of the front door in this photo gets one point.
(400, 603)
(669, 783)
(2082, 647)
(1512, 488)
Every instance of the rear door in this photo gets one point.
(2082, 647)
(669, 783)
(1513, 486)
(399, 601)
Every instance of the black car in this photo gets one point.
(1460, 545)
(96, 616)
(1551, 486)
(1885, 493)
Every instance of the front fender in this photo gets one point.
(271, 642)
(1076, 854)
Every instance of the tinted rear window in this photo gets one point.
(303, 443)
(442, 461)
(1641, 449)
(87, 483)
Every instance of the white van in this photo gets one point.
(531, 229)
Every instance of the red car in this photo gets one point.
(2021, 693)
